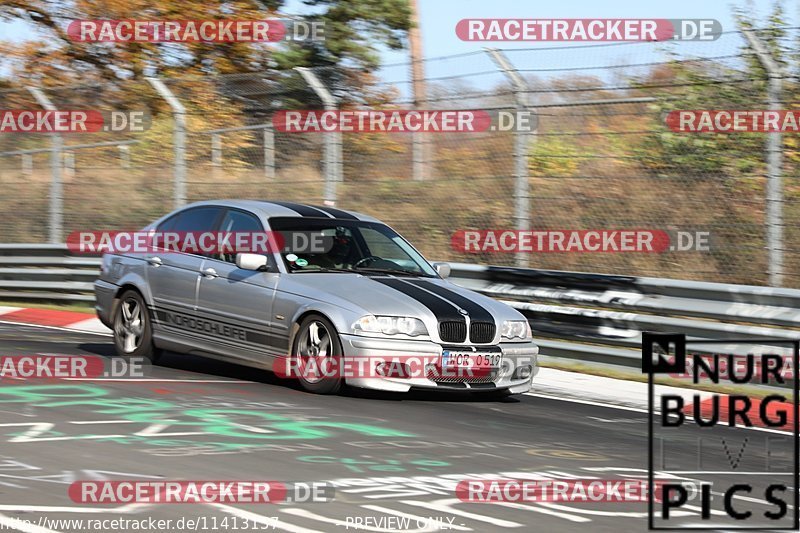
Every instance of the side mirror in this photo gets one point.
(443, 269)
(251, 261)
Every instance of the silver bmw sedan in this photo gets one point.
(342, 300)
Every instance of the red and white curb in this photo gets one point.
(73, 320)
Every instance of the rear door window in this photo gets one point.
(196, 219)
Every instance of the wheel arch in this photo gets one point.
(337, 317)
(118, 295)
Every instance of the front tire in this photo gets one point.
(317, 339)
(133, 332)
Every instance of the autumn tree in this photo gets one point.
(354, 32)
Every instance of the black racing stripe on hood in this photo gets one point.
(302, 210)
(443, 310)
(476, 311)
(336, 213)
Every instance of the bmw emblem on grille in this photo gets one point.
(463, 311)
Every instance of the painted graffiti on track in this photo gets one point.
(161, 422)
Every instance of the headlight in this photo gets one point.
(516, 329)
(390, 325)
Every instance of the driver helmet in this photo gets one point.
(342, 245)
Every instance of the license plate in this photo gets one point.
(451, 359)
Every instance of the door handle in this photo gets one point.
(210, 273)
(154, 261)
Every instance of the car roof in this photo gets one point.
(275, 208)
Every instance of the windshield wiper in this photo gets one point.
(394, 271)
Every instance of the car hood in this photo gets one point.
(395, 296)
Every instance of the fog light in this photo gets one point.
(523, 372)
(393, 369)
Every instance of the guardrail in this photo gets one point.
(46, 272)
(581, 316)
(600, 318)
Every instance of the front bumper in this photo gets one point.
(514, 356)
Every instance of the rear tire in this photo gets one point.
(317, 338)
(133, 332)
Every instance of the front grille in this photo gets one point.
(481, 332)
(438, 376)
(453, 331)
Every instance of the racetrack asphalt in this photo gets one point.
(391, 457)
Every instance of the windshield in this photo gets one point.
(322, 245)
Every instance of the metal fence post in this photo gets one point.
(774, 152)
(338, 160)
(333, 140)
(125, 156)
(179, 138)
(269, 153)
(27, 165)
(56, 226)
(269, 145)
(418, 159)
(216, 150)
(69, 165)
(522, 140)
